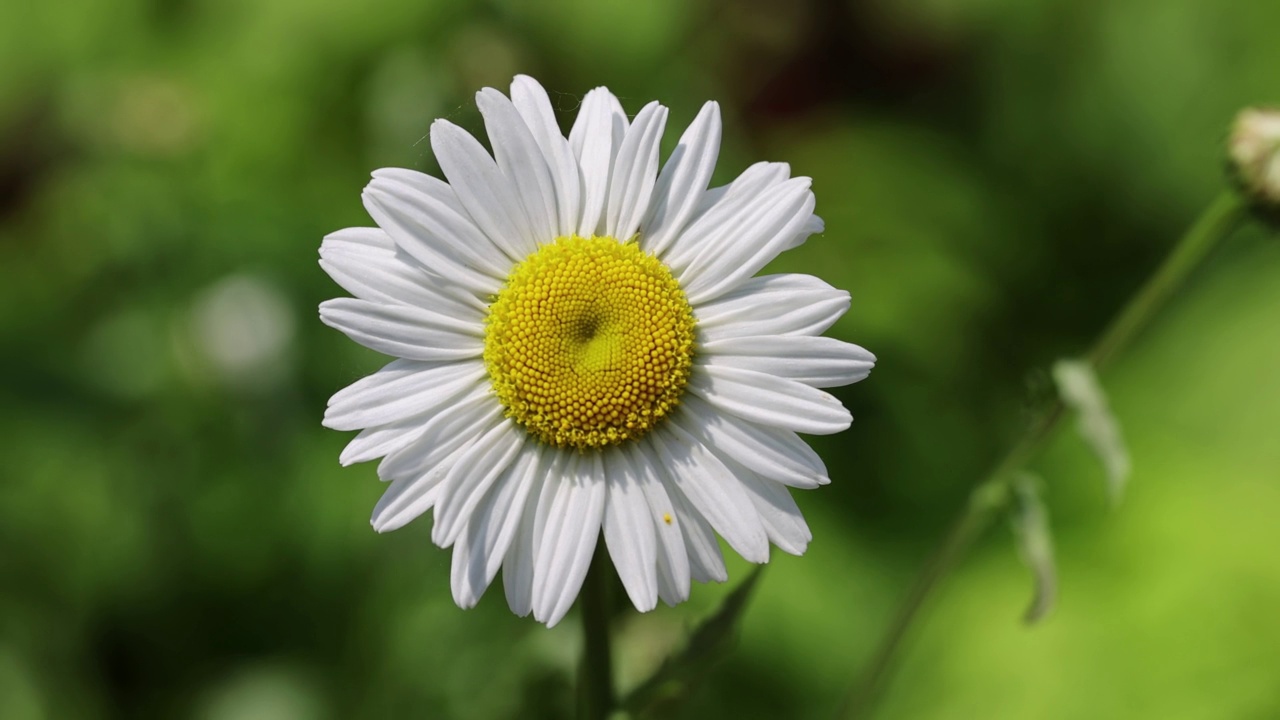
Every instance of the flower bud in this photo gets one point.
(1254, 153)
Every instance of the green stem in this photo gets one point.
(595, 674)
(992, 495)
(1223, 216)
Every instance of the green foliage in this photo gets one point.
(681, 673)
(178, 540)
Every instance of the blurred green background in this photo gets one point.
(177, 539)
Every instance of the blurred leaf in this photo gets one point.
(281, 692)
(19, 697)
(1035, 544)
(1078, 385)
(681, 674)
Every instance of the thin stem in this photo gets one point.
(1218, 220)
(595, 675)
(992, 495)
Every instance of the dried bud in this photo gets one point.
(1254, 152)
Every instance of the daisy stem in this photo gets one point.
(992, 496)
(595, 675)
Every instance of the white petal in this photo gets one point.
(750, 241)
(392, 276)
(357, 238)
(812, 226)
(629, 532)
(487, 195)
(399, 390)
(776, 454)
(464, 419)
(770, 400)
(595, 138)
(712, 490)
(425, 218)
(717, 209)
(369, 264)
(508, 502)
(375, 442)
(755, 178)
(519, 564)
(635, 169)
(782, 519)
(466, 568)
(816, 361)
(569, 538)
(672, 557)
(683, 180)
(789, 304)
(403, 331)
(535, 107)
(410, 496)
(521, 161)
(479, 551)
(405, 500)
(471, 477)
(706, 563)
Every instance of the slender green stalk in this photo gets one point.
(595, 674)
(1218, 220)
(992, 495)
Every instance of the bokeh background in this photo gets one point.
(177, 539)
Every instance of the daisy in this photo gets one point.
(583, 348)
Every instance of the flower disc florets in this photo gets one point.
(589, 343)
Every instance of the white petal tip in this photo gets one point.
(552, 620)
(443, 534)
(385, 520)
(440, 125)
(796, 550)
(465, 598)
(758, 551)
(677, 600)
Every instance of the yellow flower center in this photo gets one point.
(589, 343)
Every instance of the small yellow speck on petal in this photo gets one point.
(666, 518)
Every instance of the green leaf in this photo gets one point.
(1079, 388)
(680, 674)
(1035, 544)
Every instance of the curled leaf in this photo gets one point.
(1035, 544)
(1079, 388)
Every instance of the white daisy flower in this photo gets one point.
(582, 346)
